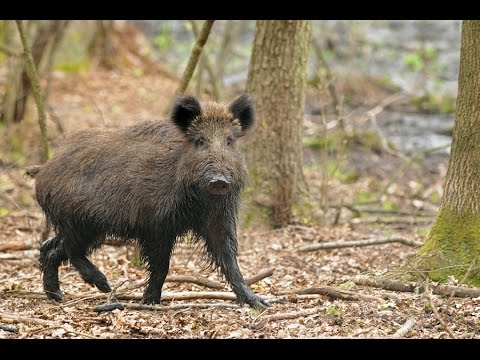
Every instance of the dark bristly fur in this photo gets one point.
(152, 182)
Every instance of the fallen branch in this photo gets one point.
(383, 283)
(121, 306)
(456, 291)
(15, 246)
(396, 285)
(395, 212)
(405, 328)
(167, 296)
(353, 243)
(11, 257)
(284, 316)
(437, 314)
(391, 221)
(25, 319)
(213, 284)
(260, 276)
(194, 280)
(332, 293)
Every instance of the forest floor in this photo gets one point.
(384, 203)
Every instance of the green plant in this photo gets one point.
(413, 61)
(164, 38)
(389, 205)
(138, 261)
(363, 196)
(334, 310)
(74, 67)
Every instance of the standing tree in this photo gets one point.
(37, 92)
(277, 79)
(453, 245)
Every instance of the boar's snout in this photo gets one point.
(218, 184)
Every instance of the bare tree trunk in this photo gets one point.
(44, 33)
(453, 245)
(14, 68)
(60, 27)
(231, 33)
(208, 66)
(199, 76)
(277, 79)
(37, 93)
(195, 55)
(193, 60)
(101, 48)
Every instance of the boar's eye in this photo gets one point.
(200, 142)
(229, 141)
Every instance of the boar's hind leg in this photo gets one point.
(77, 245)
(52, 254)
(90, 273)
(157, 254)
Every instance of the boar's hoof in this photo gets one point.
(103, 286)
(256, 302)
(151, 300)
(56, 295)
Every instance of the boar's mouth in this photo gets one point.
(218, 184)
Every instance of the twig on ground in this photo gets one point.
(284, 316)
(353, 243)
(112, 293)
(332, 293)
(396, 285)
(405, 328)
(435, 311)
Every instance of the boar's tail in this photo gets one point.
(32, 171)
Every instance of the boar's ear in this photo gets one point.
(185, 109)
(244, 110)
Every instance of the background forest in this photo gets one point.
(349, 225)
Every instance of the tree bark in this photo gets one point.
(453, 244)
(37, 92)
(277, 79)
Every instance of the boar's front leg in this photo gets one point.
(221, 242)
(157, 252)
